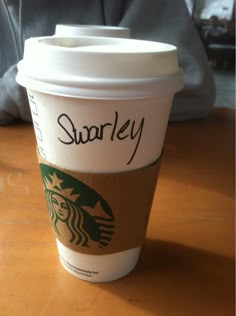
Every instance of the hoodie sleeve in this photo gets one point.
(169, 21)
(14, 102)
(39, 18)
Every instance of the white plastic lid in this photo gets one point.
(99, 67)
(91, 30)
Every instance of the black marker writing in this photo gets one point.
(115, 130)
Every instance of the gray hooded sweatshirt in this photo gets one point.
(165, 21)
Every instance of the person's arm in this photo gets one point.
(39, 18)
(13, 99)
(169, 21)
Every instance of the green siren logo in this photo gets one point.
(87, 216)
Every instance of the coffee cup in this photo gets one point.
(100, 108)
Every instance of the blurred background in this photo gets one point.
(215, 22)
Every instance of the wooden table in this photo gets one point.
(187, 264)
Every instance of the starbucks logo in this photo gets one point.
(75, 206)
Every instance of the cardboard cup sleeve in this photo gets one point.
(99, 213)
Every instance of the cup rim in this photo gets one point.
(104, 45)
(92, 26)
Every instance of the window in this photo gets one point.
(204, 9)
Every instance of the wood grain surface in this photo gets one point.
(187, 263)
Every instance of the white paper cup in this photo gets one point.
(120, 91)
(91, 30)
